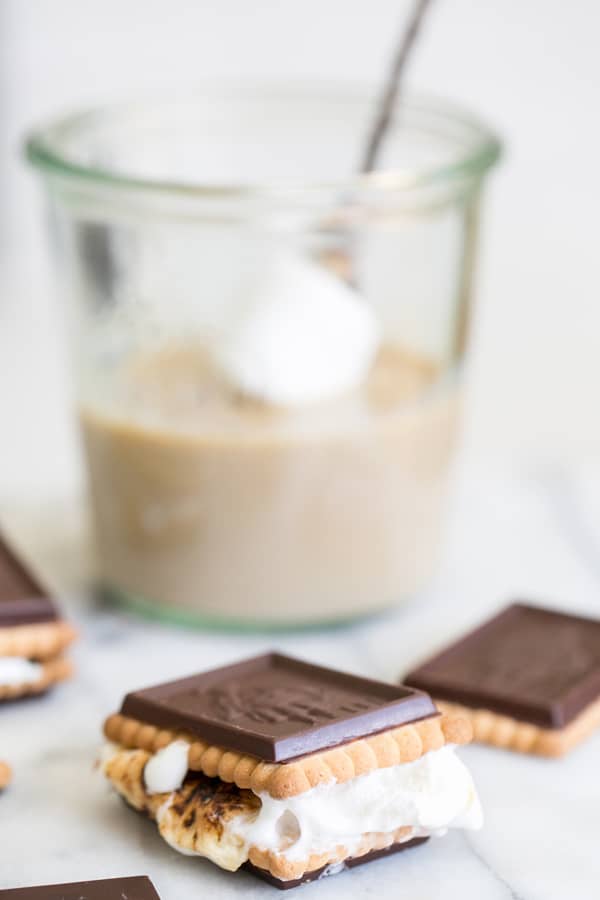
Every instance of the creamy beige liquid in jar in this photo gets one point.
(220, 505)
(269, 375)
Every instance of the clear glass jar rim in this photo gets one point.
(43, 147)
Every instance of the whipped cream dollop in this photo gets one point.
(17, 670)
(166, 770)
(302, 335)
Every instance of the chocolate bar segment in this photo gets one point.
(136, 888)
(326, 870)
(23, 600)
(277, 708)
(529, 663)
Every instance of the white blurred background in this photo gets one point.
(530, 67)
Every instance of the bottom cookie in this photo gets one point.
(324, 871)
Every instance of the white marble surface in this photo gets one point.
(532, 536)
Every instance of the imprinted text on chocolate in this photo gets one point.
(277, 708)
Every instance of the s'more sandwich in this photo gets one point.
(290, 770)
(33, 634)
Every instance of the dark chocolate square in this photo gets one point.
(277, 708)
(23, 600)
(136, 888)
(529, 663)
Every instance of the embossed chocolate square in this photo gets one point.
(275, 707)
(133, 888)
(33, 636)
(528, 679)
(286, 768)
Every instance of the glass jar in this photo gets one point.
(175, 221)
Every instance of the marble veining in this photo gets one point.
(496, 875)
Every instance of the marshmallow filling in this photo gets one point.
(16, 670)
(426, 797)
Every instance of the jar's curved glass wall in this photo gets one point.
(210, 505)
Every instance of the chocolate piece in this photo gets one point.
(529, 663)
(136, 888)
(23, 600)
(320, 873)
(277, 708)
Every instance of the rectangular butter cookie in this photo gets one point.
(527, 680)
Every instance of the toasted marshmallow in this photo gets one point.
(166, 770)
(303, 335)
(218, 820)
(430, 795)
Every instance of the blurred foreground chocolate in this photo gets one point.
(529, 679)
(276, 708)
(136, 888)
(293, 770)
(33, 635)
